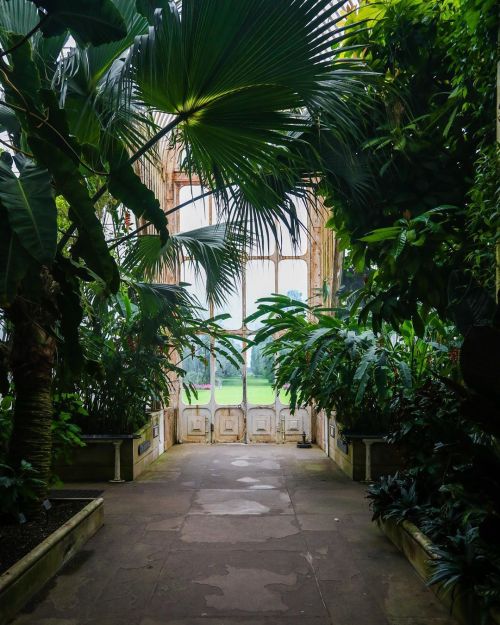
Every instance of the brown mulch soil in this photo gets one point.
(16, 540)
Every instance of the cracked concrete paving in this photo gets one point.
(247, 535)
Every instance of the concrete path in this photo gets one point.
(226, 535)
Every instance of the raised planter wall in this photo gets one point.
(351, 459)
(420, 552)
(350, 455)
(25, 578)
(96, 461)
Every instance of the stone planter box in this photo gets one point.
(420, 552)
(363, 457)
(25, 578)
(96, 462)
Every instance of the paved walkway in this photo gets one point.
(247, 535)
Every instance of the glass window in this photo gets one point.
(260, 282)
(233, 307)
(286, 242)
(284, 396)
(266, 247)
(292, 279)
(260, 375)
(196, 364)
(195, 215)
(197, 286)
(228, 379)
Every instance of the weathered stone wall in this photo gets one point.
(170, 421)
(96, 461)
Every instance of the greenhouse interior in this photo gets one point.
(249, 312)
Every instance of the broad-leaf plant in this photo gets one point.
(90, 88)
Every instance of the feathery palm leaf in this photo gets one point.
(218, 250)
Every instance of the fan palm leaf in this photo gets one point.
(243, 84)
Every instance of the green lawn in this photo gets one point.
(259, 390)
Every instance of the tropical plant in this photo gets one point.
(469, 570)
(423, 213)
(18, 490)
(134, 339)
(234, 88)
(337, 365)
(66, 434)
(394, 497)
(446, 455)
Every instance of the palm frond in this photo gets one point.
(20, 17)
(217, 250)
(244, 83)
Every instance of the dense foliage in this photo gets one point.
(421, 210)
(89, 89)
(424, 232)
(448, 486)
(133, 339)
(335, 364)
(419, 215)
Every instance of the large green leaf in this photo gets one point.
(90, 21)
(91, 245)
(16, 17)
(8, 120)
(241, 79)
(14, 262)
(127, 187)
(88, 78)
(54, 149)
(70, 306)
(31, 209)
(148, 7)
(212, 50)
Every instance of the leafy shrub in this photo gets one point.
(469, 568)
(449, 488)
(68, 407)
(17, 489)
(394, 497)
(6, 404)
(132, 343)
(342, 367)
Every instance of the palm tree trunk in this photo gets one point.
(32, 361)
(497, 249)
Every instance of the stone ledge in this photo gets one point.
(25, 578)
(420, 551)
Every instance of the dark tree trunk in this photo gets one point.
(32, 362)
